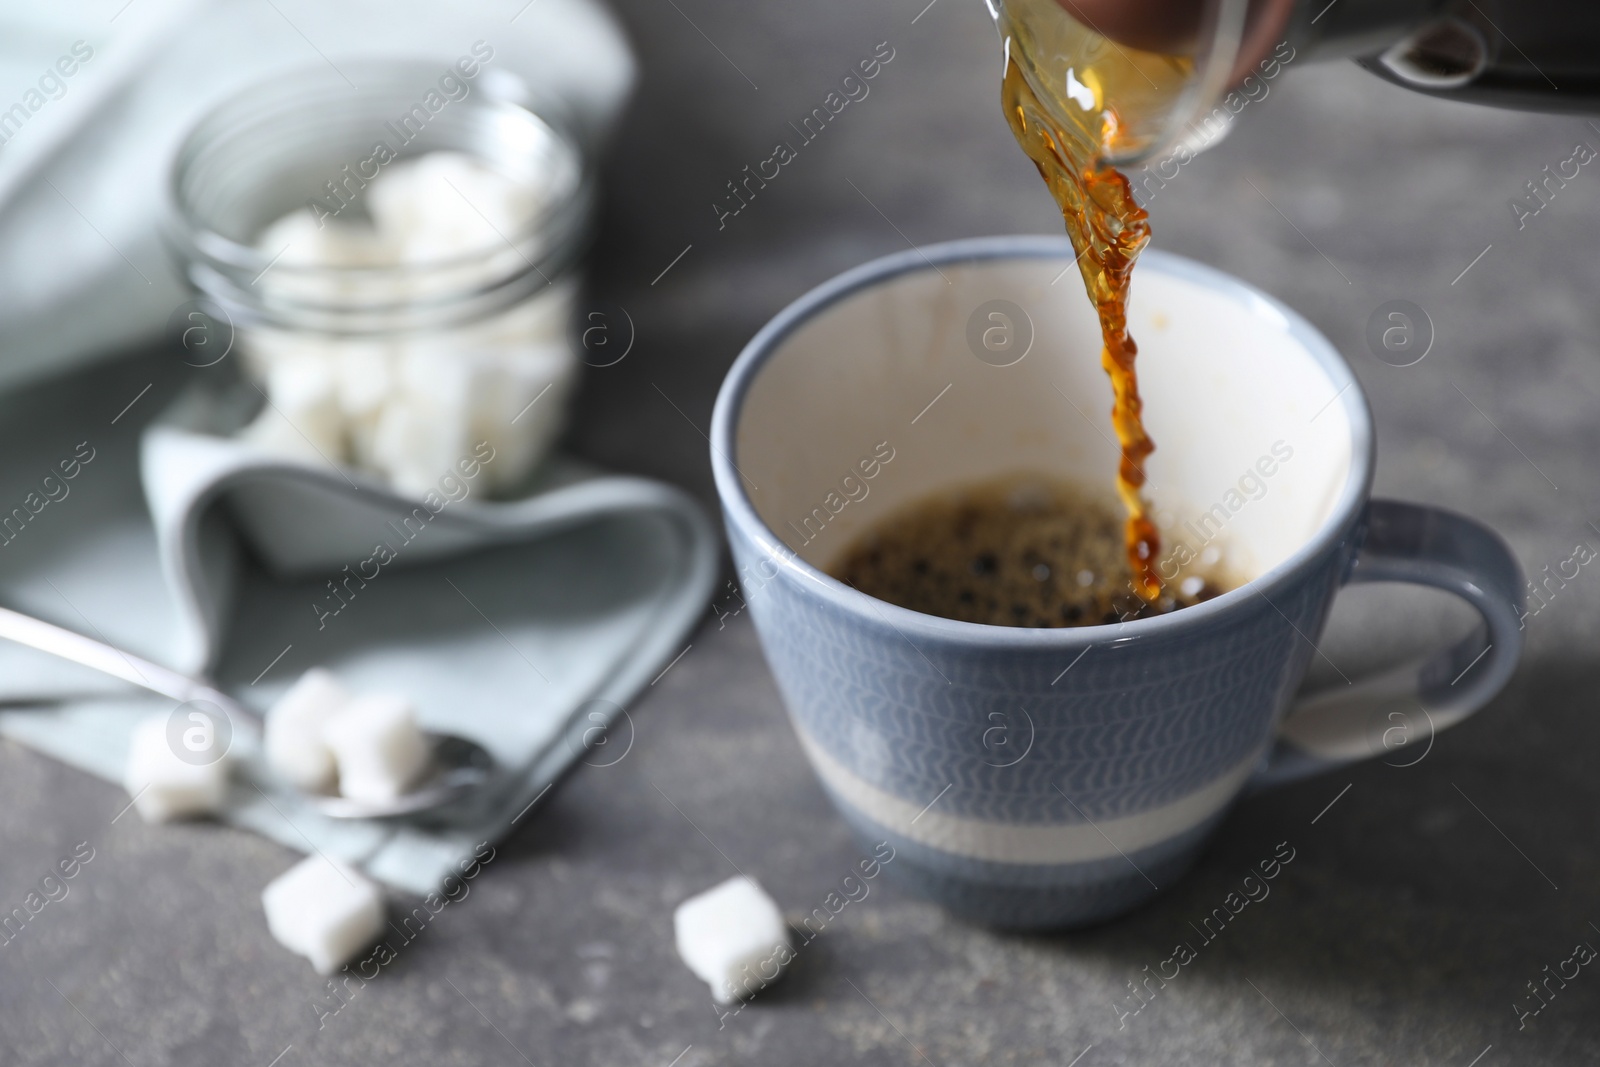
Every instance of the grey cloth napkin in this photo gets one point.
(525, 625)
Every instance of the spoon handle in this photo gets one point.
(59, 641)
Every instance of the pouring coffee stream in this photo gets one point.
(1065, 96)
(1108, 230)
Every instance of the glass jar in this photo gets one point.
(396, 355)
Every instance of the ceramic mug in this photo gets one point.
(1032, 777)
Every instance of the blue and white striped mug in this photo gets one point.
(1053, 777)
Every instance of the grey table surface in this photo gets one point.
(1418, 905)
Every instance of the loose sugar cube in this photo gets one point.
(732, 937)
(379, 750)
(324, 911)
(295, 748)
(166, 787)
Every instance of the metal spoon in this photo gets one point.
(459, 766)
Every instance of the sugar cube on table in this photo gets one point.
(324, 911)
(733, 937)
(379, 750)
(292, 737)
(165, 786)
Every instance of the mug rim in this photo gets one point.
(741, 512)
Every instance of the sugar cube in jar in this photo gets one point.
(410, 404)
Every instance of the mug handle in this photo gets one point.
(1424, 546)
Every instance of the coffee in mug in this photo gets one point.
(1028, 550)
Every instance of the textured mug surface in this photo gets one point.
(1055, 777)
